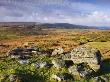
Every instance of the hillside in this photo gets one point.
(46, 25)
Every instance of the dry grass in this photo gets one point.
(66, 38)
(104, 47)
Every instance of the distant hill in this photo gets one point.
(66, 25)
(47, 25)
(15, 23)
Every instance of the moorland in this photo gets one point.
(48, 38)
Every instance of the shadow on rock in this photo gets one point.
(104, 67)
(68, 63)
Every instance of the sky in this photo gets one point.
(81, 12)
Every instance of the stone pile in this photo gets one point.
(86, 61)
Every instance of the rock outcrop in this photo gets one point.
(87, 55)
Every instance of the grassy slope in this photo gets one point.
(104, 47)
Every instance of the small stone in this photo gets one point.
(34, 52)
(15, 56)
(58, 63)
(12, 78)
(40, 64)
(57, 51)
(23, 61)
(59, 77)
(43, 64)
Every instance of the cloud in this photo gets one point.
(95, 18)
(52, 11)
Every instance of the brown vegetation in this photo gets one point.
(52, 38)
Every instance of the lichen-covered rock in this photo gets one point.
(73, 70)
(12, 78)
(23, 61)
(91, 56)
(67, 56)
(21, 52)
(58, 63)
(15, 53)
(59, 77)
(40, 64)
(43, 64)
(82, 69)
(57, 51)
(15, 56)
(87, 55)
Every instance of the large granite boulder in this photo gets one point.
(87, 55)
(58, 63)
